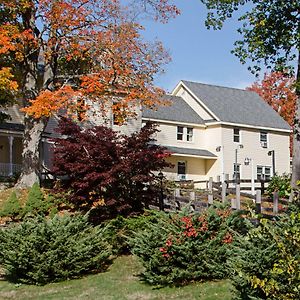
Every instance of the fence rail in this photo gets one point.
(7, 169)
(196, 200)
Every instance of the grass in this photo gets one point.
(118, 283)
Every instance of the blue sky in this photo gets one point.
(199, 54)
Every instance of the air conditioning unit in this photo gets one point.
(182, 176)
(264, 144)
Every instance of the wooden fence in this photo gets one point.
(228, 191)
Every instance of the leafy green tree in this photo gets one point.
(271, 37)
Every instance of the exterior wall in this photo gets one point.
(250, 139)
(132, 125)
(168, 136)
(195, 168)
(193, 103)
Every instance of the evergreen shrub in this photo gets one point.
(267, 261)
(181, 247)
(39, 251)
(120, 230)
(11, 207)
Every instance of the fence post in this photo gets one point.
(275, 202)
(210, 191)
(192, 196)
(224, 186)
(233, 203)
(262, 183)
(258, 202)
(238, 196)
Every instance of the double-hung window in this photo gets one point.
(263, 172)
(179, 133)
(263, 139)
(236, 135)
(181, 170)
(189, 134)
(185, 134)
(236, 171)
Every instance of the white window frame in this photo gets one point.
(237, 135)
(263, 172)
(186, 135)
(181, 176)
(180, 134)
(189, 135)
(238, 170)
(264, 142)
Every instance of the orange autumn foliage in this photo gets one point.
(74, 50)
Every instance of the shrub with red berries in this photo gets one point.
(182, 247)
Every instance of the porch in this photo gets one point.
(10, 154)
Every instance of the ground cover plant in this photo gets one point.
(115, 174)
(267, 259)
(180, 248)
(40, 250)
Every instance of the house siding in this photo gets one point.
(250, 139)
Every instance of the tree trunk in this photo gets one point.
(296, 138)
(31, 154)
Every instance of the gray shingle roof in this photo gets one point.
(237, 106)
(15, 120)
(189, 151)
(178, 111)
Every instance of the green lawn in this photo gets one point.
(119, 282)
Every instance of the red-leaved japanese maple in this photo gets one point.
(114, 173)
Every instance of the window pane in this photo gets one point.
(263, 137)
(259, 171)
(267, 173)
(236, 135)
(181, 167)
(189, 136)
(179, 133)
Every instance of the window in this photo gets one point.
(236, 171)
(185, 133)
(264, 139)
(236, 135)
(189, 134)
(181, 170)
(179, 133)
(263, 172)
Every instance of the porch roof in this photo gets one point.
(200, 153)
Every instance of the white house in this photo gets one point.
(212, 131)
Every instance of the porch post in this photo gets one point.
(11, 141)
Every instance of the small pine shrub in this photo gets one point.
(267, 261)
(11, 207)
(35, 203)
(39, 251)
(120, 230)
(181, 248)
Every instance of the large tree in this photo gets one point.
(270, 33)
(62, 52)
